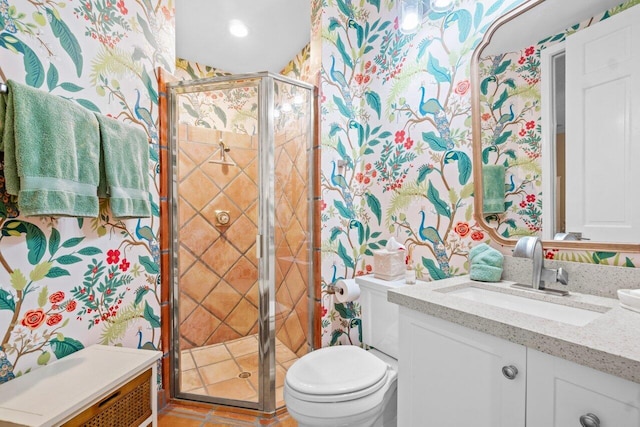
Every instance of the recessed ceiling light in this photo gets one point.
(238, 28)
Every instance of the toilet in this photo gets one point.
(346, 385)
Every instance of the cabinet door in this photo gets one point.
(451, 376)
(559, 392)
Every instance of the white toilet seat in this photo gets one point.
(317, 396)
(347, 373)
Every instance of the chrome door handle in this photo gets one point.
(510, 372)
(589, 420)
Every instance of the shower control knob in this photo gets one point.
(589, 420)
(510, 372)
(222, 217)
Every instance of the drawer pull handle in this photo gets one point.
(589, 420)
(110, 398)
(510, 372)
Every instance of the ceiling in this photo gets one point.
(278, 30)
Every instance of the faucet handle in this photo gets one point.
(562, 276)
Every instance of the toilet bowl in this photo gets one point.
(347, 385)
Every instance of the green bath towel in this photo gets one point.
(124, 168)
(51, 149)
(493, 189)
(486, 263)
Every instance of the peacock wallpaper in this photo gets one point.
(396, 149)
(66, 283)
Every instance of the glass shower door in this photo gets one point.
(241, 242)
(216, 201)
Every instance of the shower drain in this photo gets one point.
(244, 374)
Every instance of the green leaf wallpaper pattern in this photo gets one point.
(65, 281)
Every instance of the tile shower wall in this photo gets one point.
(218, 265)
(67, 283)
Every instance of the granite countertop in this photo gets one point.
(610, 343)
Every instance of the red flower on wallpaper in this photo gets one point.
(71, 305)
(477, 235)
(113, 256)
(54, 319)
(462, 87)
(122, 7)
(529, 51)
(56, 297)
(531, 124)
(124, 265)
(33, 318)
(485, 117)
(400, 137)
(408, 143)
(531, 198)
(462, 229)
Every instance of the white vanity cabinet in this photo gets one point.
(451, 376)
(564, 394)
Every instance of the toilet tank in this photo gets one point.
(380, 318)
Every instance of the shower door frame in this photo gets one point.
(265, 239)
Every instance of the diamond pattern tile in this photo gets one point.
(198, 189)
(198, 326)
(197, 235)
(243, 317)
(185, 165)
(185, 259)
(198, 152)
(185, 212)
(198, 281)
(221, 256)
(295, 235)
(242, 275)
(222, 299)
(219, 284)
(242, 191)
(242, 233)
(220, 174)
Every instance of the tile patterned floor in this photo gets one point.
(177, 415)
(230, 369)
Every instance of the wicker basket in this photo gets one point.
(127, 406)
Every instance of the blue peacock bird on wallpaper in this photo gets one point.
(6, 368)
(431, 235)
(433, 107)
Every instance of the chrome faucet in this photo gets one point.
(531, 247)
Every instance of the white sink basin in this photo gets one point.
(548, 310)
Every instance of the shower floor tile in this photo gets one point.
(230, 370)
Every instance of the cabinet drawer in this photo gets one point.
(559, 392)
(128, 405)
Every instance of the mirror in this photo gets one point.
(523, 185)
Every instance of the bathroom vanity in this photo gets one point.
(471, 356)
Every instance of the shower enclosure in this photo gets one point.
(240, 183)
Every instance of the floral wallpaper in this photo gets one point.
(233, 110)
(67, 283)
(510, 93)
(396, 143)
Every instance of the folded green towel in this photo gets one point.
(124, 168)
(493, 188)
(51, 150)
(486, 263)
